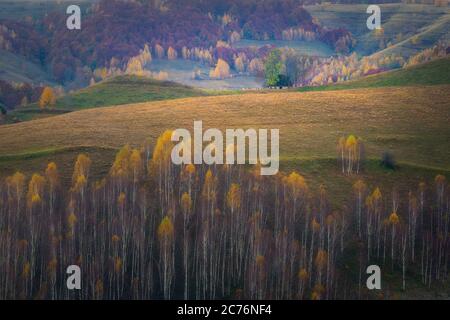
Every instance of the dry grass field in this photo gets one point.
(412, 122)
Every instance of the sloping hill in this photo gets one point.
(125, 90)
(431, 73)
(425, 37)
(116, 91)
(14, 68)
(400, 22)
(411, 121)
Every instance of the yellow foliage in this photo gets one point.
(318, 290)
(359, 186)
(163, 149)
(221, 71)
(315, 225)
(350, 142)
(256, 66)
(329, 219)
(47, 98)
(209, 184)
(82, 166)
(80, 183)
(239, 64)
(71, 220)
(135, 67)
(17, 183)
(35, 199)
(303, 274)
(190, 169)
(376, 195)
(99, 288)
(171, 53)
(296, 183)
(121, 165)
(186, 202)
(165, 229)
(52, 174)
(121, 199)
(321, 259)
(159, 50)
(117, 265)
(439, 179)
(394, 219)
(35, 189)
(26, 270)
(136, 162)
(234, 197)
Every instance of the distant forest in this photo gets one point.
(117, 30)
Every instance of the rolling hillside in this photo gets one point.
(14, 68)
(419, 135)
(400, 24)
(431, 73)
(410, 122)
(116, 91)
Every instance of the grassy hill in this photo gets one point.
(431, 73)
(400, 22)
(14, 68)
(411, 122)
(116, 91)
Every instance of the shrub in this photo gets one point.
(388, 160)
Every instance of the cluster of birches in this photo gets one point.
(154, 230)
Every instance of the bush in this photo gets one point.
(388, 161)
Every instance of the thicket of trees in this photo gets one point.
(16, 94)
(172, 28)
(154, 230)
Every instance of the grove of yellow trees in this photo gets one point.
(150, 229)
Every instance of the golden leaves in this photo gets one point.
(35, 189)
(52, 175)
(359, 186)
(315, 225)
(394, 219)
(128, 162)
(221, 71)
(186, 202)
(47, 98)
(165, 229)
(26, 270)
(171, 53)
(295, 183)
(162, 151)
(321, 259)
(118, 265)
(71, 220)
(303, 274)
(234, 197)
(82, 167)
(121, 199)
(17, 183)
